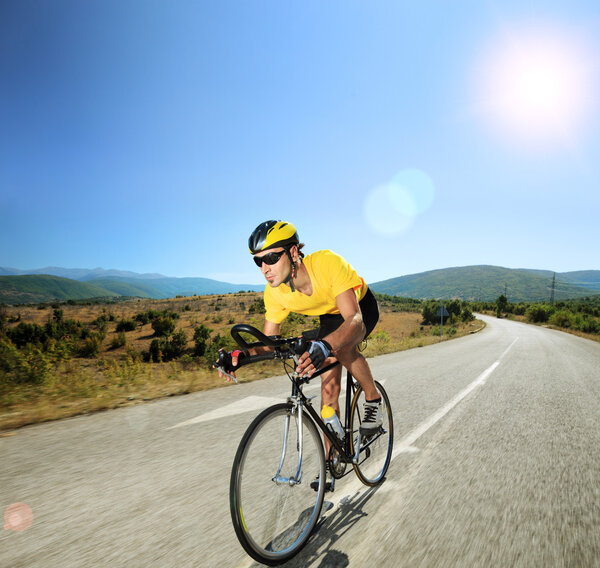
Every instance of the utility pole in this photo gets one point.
(553, 286)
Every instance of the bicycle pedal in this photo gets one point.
(329, 485)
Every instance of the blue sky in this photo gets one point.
(407, 136)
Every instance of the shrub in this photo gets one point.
(257, 307)
(27, 333)
(163, 326)
(177, 344)
(467, 315)
(562, 318)
(126, 325)
(201, 335)
(119, 340)
(538, 313)
(19, 367)
(430, 312)
(167, 349)
(90, 346)
(589, 325)
(142, 318)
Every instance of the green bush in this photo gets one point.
(28, 365)
(562, 318)
(167, 349)
(201, 335)
(163, 326)
(90, 346)
(589, 325)
(466, 315)
(538, 313)
(126, 325)
(257, 307)
(119, 340)
(27, 333)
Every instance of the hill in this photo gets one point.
(44, 288)
(81, 274)
(488, 282)
(160, 288)
(33, 288)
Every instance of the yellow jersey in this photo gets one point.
(329, 274)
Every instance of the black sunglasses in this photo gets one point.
(270, 258)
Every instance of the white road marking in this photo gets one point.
(247, 404)
(353, 487)
(406, 444)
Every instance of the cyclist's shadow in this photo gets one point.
(319, 551)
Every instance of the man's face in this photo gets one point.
(277, 273)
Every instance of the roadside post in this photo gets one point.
(443, 313)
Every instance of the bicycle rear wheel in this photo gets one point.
(273, 517)
(375, 452)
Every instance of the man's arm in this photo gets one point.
(350, 333)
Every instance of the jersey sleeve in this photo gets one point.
(340, 274)
(276, 312)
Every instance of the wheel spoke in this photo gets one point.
(273, 520)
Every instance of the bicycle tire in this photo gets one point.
(376, 454)
(273, 521)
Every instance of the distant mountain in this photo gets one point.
(31, 288)
(468, 282)
(488, 282)
(170, 287)
(43, 288)
(82, 274)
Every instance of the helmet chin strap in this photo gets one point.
(290, 279)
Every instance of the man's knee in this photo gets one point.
(348, 355)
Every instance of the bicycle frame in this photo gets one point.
(299, 400)
(343, 448)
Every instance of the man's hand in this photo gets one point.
(312, 359)
(228, 362)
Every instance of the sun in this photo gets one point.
(536, 84)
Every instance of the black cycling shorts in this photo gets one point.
(370, 312)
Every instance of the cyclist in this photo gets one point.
(321, 284)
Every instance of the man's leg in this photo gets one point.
(360, 370)
(331, 384)
(372, 416)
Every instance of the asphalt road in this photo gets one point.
(496, 464)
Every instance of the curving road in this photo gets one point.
(496, 464)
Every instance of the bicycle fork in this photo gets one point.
(296, 479)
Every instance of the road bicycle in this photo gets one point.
(278, 478)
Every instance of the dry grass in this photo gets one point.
(118, 377)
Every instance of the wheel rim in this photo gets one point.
(273, 520)
(376, 453)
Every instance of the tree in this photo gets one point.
(501, 305)
(201, 335)
(163, 326)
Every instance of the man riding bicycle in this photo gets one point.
(322, 284)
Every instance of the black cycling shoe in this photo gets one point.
(328, 484)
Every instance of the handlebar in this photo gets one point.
(282, 348)
(263, 340)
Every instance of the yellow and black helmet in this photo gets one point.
(271, 234)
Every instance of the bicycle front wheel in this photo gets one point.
(276, 494)
(375, 453)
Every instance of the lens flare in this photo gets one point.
(391, 209)
(18, 517)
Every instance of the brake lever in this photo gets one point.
(222, 370)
